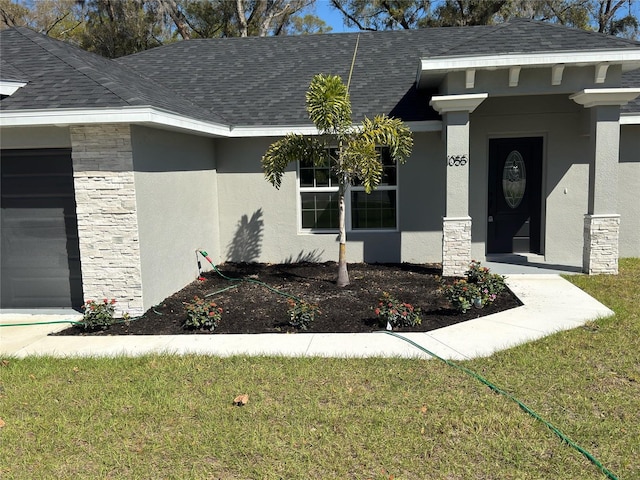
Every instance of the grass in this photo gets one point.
(173, 417)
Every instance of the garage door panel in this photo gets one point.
(33, 186)
(40, 253)
(38, 290)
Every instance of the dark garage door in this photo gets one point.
(39, 230)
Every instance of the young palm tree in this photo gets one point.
(356, 158)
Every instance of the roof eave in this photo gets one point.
(9, 87)
(63, 117)
(432, 70)
(88, 116)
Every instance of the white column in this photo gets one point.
(456, 224)
(602, 222)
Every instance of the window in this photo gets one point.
(319, 198)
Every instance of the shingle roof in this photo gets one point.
(11, 73)
(529, 36)
(262, 81)
(63, 76)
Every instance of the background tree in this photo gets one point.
(238, 18)
(460, 13)
(117, 27)
(384, 14)
(613, 17)
(114, 28)
(62, 19)
(357, 157)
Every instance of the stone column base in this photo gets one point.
(456, 246)
(600, 254)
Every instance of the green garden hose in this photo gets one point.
(247, 280)
(524, 407)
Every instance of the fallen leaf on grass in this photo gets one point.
(2, 424)
(241, 400)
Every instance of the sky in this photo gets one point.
(331, 16)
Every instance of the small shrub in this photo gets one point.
(479, 288)
(461, 294)
(301, 313)
(202, 314)
(396, 313)
(98, 315)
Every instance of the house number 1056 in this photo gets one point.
(457, 160)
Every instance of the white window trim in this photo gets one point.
(347, 201)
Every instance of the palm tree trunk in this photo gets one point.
(343, 274)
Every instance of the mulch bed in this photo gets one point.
(250, 307)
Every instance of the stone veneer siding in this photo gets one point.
(456, 246)
(601, 233)
(107, 216)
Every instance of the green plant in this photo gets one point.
(479, 288)
(301, 313)
(395, 313)
(202, 314)
(461, 294)
(98, 315)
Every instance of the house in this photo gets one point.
(114, 172)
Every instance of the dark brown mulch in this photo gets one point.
(250, 307)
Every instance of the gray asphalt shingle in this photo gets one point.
(262, 81)
(63, 76)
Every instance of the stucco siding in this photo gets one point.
(260, 223)
(629, 186)
(176, 197)
(422, 200)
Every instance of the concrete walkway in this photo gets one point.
(551, 304)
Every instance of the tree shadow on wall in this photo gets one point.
(314, 256)
(245, 246)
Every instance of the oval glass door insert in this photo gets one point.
(514, 179)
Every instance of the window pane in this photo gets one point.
(389, 169)
(376, 210)
(319, 210)
(306, 177)
(322, 177)
(388, 175)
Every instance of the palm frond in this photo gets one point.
(289, 149)
(361, 161)
(389, 132)
(328, 104)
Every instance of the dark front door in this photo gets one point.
(515, 183)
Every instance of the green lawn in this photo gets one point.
(172, 417)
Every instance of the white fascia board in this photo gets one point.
(446, 64)
(9, 87)
(154, 116)
(630, 119)
(282, 130)
(62, 116)
(272, 131)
